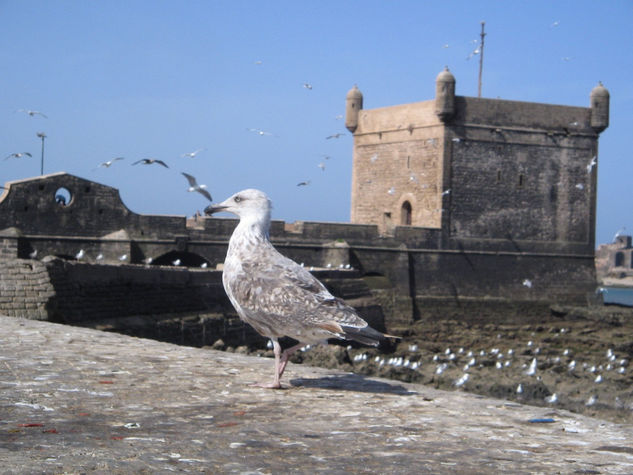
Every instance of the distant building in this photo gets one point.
(478, 169)
(615, 259)
(462, 207)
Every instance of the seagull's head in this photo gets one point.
(250, 203)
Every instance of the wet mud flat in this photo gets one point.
(572, 358)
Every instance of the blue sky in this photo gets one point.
(162, 78)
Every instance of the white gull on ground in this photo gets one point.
(274, 294)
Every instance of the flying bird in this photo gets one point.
(592, 164)
(334, 136)
(18, 155)
(321, 166)
(32, 113)
(307, 86)
(259, 132)
(193, 154)
(193, 186)
(274, 294)
(150, 161)
(303, 183)
(109, 163)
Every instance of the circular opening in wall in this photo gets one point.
(63, 196)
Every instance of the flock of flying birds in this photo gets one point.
(194, 186)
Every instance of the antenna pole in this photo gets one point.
(481, 57)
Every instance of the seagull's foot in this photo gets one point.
(273, 385)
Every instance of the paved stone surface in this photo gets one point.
(76, 400)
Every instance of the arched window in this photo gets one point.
(405, 214)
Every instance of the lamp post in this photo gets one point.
(42, 135)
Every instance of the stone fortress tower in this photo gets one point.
(477, 168)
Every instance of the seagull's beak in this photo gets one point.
(212, 209)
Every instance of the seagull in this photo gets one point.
(193, 154)
(446, 192)
(527, 283)
(109, 163)
(80, 254)
(592, 164)
(32, 113)
(193, 186)
(334, 136)
(33, 254)
(18, 155)
(274, 294)
(531, 371)
(176, 262)
(473, 53)
(555, 24)
(260, 132)
(618, 233)
(123, 258)
(303, 183)
(150, 161)
(307, 86)
(321, 166)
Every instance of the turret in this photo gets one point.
(445, 95)
(353, 105)
(599, 99)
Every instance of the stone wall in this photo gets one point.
(25, 289)
(176, 304)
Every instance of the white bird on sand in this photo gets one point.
(274, 294)
(18, 155)
(193, 186)
(531, 371)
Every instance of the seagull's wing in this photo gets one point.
(28, 154)
(142, 160)
(205, 193)
(275, 292)
(191, 179)
(160, 162)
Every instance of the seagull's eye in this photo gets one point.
(237, 199)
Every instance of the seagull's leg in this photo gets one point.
(275, 384)
(286, 355)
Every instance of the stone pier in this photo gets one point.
(76, 400)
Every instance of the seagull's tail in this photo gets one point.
(365, 335)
